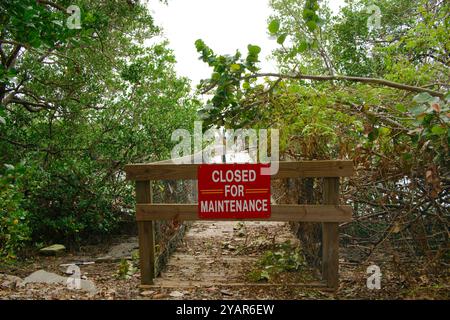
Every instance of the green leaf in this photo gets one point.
(312, 25)
(254, 50)
(264, 275)
(417, 110)
(282, 38)
(199, 45)
(29, 14)
(423, 97)
(89, 17)
(9, 166)
(373, 135)
(12, 72)
(303, 46)
(274, 26)
(215, 76)
(401, 107)
(384, 131)
(447, 97)
(35, 42)
(407, 156)
(235, 67)
(2, 120)
(438, 130)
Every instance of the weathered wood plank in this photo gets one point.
(170, 171)
(146, 235)
(330, 235)
(208, 284)
(280, 212)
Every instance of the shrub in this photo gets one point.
(14, 229)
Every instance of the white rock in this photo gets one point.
(53, 249)
(9, 282)
(42, 276)
(7, 285)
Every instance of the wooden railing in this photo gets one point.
(329, 213)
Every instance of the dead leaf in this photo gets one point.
(429, 176)
(212, 289)
(176, 294)
(436, 107)
(226, 292)
(396, 228)
(147, 293)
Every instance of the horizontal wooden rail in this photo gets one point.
(280, 212)
(287, 169)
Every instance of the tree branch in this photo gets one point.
(382, 82)
(12, 57)
(52, 4)
(30, 106)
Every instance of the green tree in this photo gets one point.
(79, 104)
(344, 90)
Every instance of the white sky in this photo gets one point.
(224, 25)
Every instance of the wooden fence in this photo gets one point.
(329, 213)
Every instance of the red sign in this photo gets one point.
(233, 191)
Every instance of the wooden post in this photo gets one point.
(146, 235)
(330, 236)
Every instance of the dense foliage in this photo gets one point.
(78, 103)
(347, 89)
(76, 106)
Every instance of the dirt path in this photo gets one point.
(216, 260)
(219, 253)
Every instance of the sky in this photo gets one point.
(224, 25)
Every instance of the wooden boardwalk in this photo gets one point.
(216, 254)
